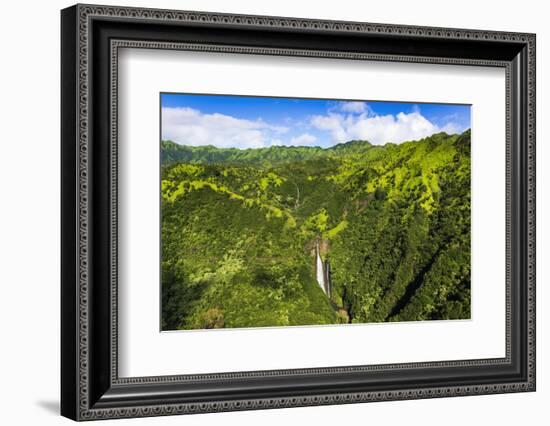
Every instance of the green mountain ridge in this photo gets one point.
(172, 152)
(240, 227)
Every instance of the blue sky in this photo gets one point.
(253, 122)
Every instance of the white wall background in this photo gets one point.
(29, 212)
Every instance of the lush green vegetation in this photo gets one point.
(240, 228)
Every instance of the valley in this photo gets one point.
(286, 236)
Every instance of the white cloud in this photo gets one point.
(303, 139)
(451, 128)
(378, 129)
(188, 126)
(343, 122)
(353, 107)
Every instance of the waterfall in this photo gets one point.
(328, 279)
(320, 269)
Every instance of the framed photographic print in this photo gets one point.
(263, 212)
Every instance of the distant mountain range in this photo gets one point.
(172, 152)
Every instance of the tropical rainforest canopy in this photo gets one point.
(240, 231)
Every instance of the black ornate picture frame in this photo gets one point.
(91, 37)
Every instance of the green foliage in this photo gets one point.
(240, 227)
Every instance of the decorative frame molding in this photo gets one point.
(91, 37)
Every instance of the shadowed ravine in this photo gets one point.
(413, 286)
